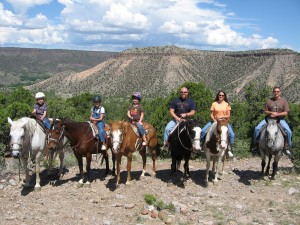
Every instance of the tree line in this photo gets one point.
(245, 114)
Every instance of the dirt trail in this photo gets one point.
(239, 197)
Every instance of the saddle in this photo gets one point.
(139, 141)
(95, 129)
(280, 128)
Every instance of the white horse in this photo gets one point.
(216, 143)
(27, 141)
(271, 142)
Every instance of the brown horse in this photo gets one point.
(126, 140)
(82, 142)
(55, 146)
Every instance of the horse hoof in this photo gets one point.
(206, 184)
(37, 188)
(79, 185)
(87, 185)
(273, 178)
(153, 174)
(127, 183)
(170, 184)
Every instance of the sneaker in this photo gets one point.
(288, 152)
(229, 153)
(144, 143)
(165, 146)
(103, 147)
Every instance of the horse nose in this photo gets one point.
(15, 154)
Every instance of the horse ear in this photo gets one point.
(110, 121)
(9, 121)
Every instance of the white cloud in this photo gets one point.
(21, 6)
(129, 23)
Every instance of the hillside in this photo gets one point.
(156, 71)
(23, 66)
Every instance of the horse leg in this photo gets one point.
(143, 154)
(37, 186)
(61, 159)
(186, 174)
(88, 168)
(25, 167)
(80, 165)
(50, 160)
(207, 169)
(105, 156)
(216, 162)
(119, 156)
(263, 164)
(173, 169)
(268, 166)
(129, 160)
(275, 166)
(113, 157)
(153, 155)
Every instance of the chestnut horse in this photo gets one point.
(126, 140)
(82, 142)
(216, 144)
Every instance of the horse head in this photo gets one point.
(56, 134)
(222, 130)
(194, 130)
(116, 132)
(272, 132)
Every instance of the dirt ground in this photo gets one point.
(240, 197)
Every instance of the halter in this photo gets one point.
(188, 134)
(56, 140)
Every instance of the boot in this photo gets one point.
(229, 151)
(166, 146)
(103, 147)
(286, 149)
(255, 149)
(145, 142)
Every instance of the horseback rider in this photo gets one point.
(135, 113)
(97, 117)
(275, 107)
(180, 108)
(219, 109)
(40, 110)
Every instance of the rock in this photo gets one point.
(154, 214)
(12, 182)
(169, 220)
(106, 222)
(144, 211)
(162, 214)
(293, 191)
(129, 206)
(1, 186)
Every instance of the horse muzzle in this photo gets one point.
(196, 145)
(15, 154)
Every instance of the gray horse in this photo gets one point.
(271, 142)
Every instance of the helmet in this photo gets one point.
(96, 98)
(137, 95)
(39, 95)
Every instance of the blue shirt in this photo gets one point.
(182, 106)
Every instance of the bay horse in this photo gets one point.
(271, 142)
(55, 146)
(126, 140)
(216, 144)
(28, 142)
(184, 139)
(80, 135)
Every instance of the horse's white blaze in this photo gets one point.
(116, 139)
(196, 141)
(224, 134)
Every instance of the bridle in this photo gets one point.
(188, 134)
(61, 134)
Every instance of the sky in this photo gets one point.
(117, 25)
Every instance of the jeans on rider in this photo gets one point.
(142, 132)
(168, 129)
(47, 123)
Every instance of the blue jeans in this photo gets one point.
(140, 128)
(47, 123)
(207, 126)
(284, 125)
(101, 131)
(168, 129)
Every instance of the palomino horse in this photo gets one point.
(216, 144)
(271, 142)
(82, 142)
(125, 141)
(184, 139)
(27, 141)
(55, 146)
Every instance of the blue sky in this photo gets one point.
(116, 25)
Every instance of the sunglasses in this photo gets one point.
(183, 92)
(276, 91)
(221, 95)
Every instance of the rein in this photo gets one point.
(188, 134)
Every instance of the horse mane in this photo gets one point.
(28, 123)
(211, 129)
